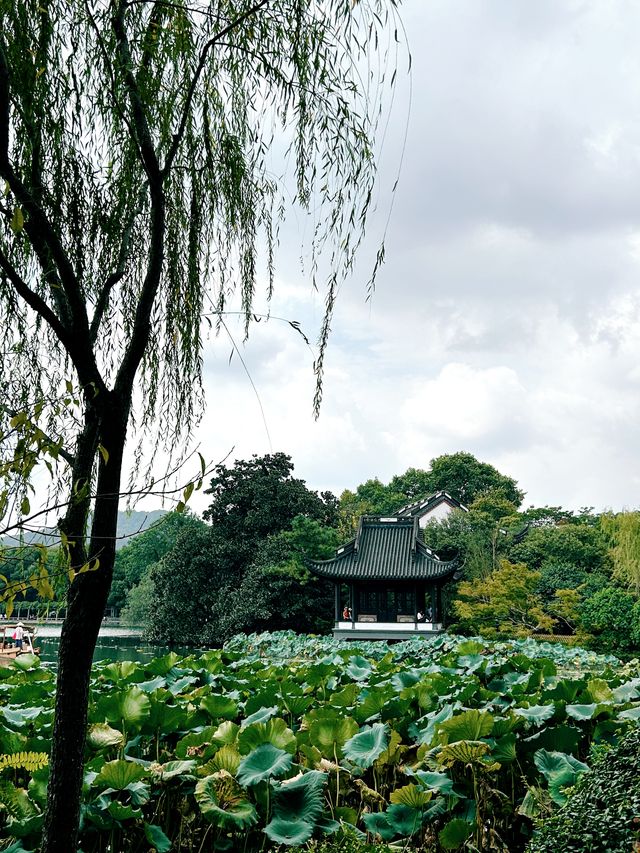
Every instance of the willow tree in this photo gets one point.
(137, 146)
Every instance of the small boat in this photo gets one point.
(9, 650)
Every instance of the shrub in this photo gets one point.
(611, 615)
(603, 810)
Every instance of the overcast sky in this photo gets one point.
(506, 320)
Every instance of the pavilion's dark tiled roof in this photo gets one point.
(385, 549)
(425, 505)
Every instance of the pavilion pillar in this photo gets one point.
(352, 602)
(336, 586)
(415, 606)
(434, 605)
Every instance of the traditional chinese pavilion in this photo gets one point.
(387, 578)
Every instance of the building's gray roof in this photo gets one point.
(419, 508)
(385, 549)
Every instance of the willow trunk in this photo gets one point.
(87, 599)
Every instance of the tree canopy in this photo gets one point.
(459, 474)
(246, 568)
(257, 497)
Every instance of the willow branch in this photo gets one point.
(182, 126)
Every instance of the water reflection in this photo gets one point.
(115, 642)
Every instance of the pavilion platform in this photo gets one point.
(347, 630)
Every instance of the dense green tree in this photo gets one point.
(465, 478)
(612, 615)
(136, 154)
(187, 583)
(255, 504)
(258, 497)
(580, 545)
(139, 602)
(479, 538)
(370, 498)
(413, 485)
(504, 602)
(459, 474)
(277, 591)
(133, 561)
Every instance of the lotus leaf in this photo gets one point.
(130, 707)
(226, 732)
(197, 743)
(275, 731)
(346, 697)
(599, 691)
(152, 685)
(404, 820)
(119, 774)
(406, 678)
(536, 714)
(163, 717)
(20, 717)
(363, 748)
(372, 701)
(560, 770)
(427, 734)
(377, 824)
(346, 814)
(471, 662)
(358, 668)
(563, 738)
(582, 712)
(173, 769)
(439, 782)
(222, 802)
(102, 736)
(226, 758)
(26, 826)
(330, 732)
(120, 812)
(295, 831)
(26, 662)
(470, 725)
(470, 647)
(259, 716)
(630, 714)
(219, 707)
(504, 749)
(179, 685)
(138, 793)
(297, 807)
(162, 666)
(262, 763)
(121, 671)
(464, 751)
(262, 699)
(627, 691)
(411, 795)
(156, 838)
(565, 690)
(455, 833)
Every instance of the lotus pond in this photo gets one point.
(432, 744)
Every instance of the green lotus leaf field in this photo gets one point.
(281, 740)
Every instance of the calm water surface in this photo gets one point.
(115, 642)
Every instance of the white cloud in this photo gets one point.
(506, 321)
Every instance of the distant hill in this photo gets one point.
(129, 524)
